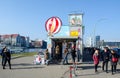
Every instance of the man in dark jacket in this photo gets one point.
(6, 57)
(105, 58)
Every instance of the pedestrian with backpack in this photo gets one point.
(114, 59)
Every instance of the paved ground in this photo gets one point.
(24, 68)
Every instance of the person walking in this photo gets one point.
(78, 46)
(6, 57)
(96, 58)
(65, 59)
(114, 59)
(105, 58)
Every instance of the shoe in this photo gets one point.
(3, 67)
(112, 73)
(67, 63)
(103, 70)
(9, 67)
(95, 70)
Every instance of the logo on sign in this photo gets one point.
(53, 25)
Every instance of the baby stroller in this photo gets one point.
(37, 59)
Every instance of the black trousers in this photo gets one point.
(113, 68)
(2, 61)
(96, 66)
(57, 56)
(105, 64)
(5, 60)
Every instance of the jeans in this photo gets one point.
(47, 62)
(78, 55)
(65, 58)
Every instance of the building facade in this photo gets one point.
(14, 40)
(112, 44)
(97, 41)
(38, 44)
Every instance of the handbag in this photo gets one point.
(114, 59)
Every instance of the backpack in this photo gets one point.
(114, 59)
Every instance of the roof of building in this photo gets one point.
(5, 36)
(14, 35)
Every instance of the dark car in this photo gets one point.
(119, 56)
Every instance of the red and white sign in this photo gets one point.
(53, 25)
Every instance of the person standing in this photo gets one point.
(105, 58)
(96, 58)
(47, 57)
(6, 57)
(57, 53)
(114, 59)
(64, 46)
(78, 46)
(73, 52)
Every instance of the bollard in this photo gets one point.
(71, 71)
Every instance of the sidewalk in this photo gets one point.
(87, 71)
(23, 67)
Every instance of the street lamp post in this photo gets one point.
(94, 31)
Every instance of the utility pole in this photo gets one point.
(94, 31)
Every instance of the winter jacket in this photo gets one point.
(6, 54)
(105, 56)
(96, 58)
(113, 56)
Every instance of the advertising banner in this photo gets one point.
(75, 19)
(75, 31)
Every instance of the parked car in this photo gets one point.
(0, 51)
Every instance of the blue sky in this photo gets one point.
(28, 17)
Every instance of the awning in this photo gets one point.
(63, 37)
